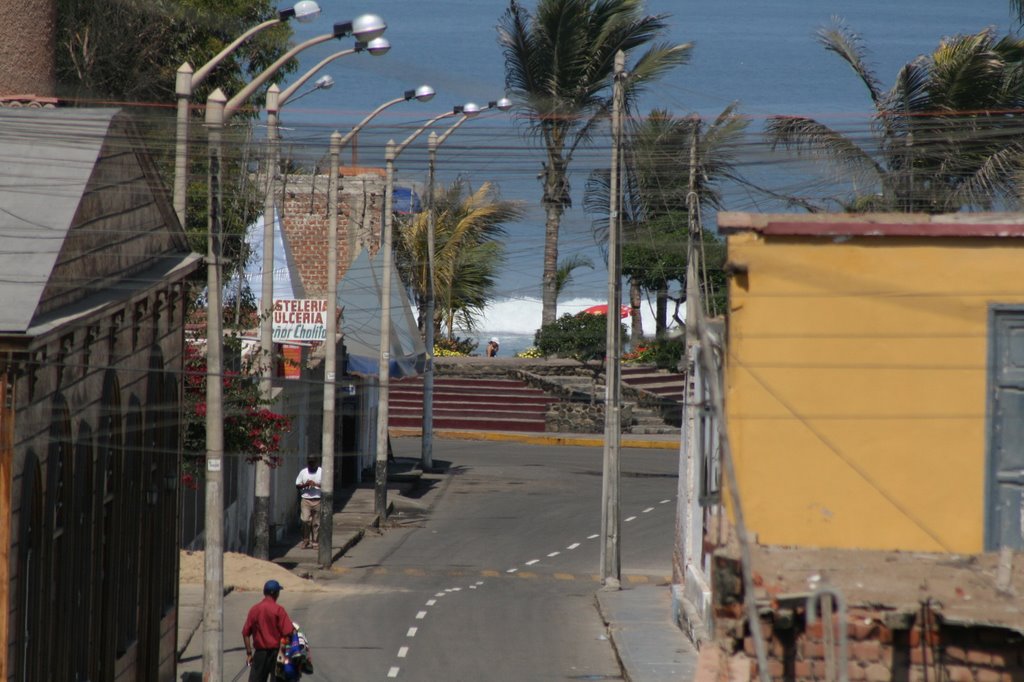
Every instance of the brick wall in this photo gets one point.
(882, 645)
(305, 219)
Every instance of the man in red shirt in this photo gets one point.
(265, 626)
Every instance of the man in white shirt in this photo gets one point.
(308, 484)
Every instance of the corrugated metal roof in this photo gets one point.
(48, 158)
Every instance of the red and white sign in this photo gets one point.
(300, 319)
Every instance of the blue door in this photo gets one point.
(1004, 495)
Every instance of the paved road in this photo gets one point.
(490, 574)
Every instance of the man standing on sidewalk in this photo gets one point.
(308, 484)
(265, 626)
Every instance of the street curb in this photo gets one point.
(199, 624)
(539, 439)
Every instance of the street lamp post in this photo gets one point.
(188, 80)
(380, 499)
(219, 111)
(275, 100)
(610, 553)
(427, 431)
(424, 93)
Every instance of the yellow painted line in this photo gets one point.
(340, 569)
(541, 439)
(490, 574)
(637, 579)
(415, 571)
(564, 576)
(379, 571)
(596, 578)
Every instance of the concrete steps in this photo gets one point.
(489, 403)
(659, 382)
(479, 404)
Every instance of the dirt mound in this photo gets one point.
(243, 572)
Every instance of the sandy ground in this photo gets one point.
(962, 587)
(243, 572)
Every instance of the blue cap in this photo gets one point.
(272, 586)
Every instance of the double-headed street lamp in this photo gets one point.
(218, 111)
(384, 359)
(424, 93)
(433, 142)
(188, 80)
(275, 100)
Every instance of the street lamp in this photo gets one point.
(187, 81)
(384, 360)
(433, 142)
(219, 110)
(275, 100)
(325, 82)
(424, 93)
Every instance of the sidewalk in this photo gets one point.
(650, 646)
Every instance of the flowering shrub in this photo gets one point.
(453, 347)
(641, 354)
(250, 429)
(662, 353)
(531, 352)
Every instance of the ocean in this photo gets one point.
(761, 54)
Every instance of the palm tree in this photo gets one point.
(944, 137)
(665, 156)
(467, 255)
(566, 267)
(559, 63)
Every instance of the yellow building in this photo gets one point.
(875, 379)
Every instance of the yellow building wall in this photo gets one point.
(856, 387)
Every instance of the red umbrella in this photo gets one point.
(602, 309)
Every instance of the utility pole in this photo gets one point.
(690, 521)
(213, 585)
(427, 438)
(330, 365)
(261, 505)
(610, 560)
(380, 496)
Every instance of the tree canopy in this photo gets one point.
(944, 136)
(468, 252)
(559, 63)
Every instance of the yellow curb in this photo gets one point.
(539, 438)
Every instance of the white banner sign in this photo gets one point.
(300, 319)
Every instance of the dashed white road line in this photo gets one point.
(393, 672)
(591, 537)
(431, 602)
(553, 554)
(411, 632)
(631, 518)
(403, 652)
(664, 501)
(531, 562)
(573, 545)
(420, 615)
(512, 570)
(649, 509)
